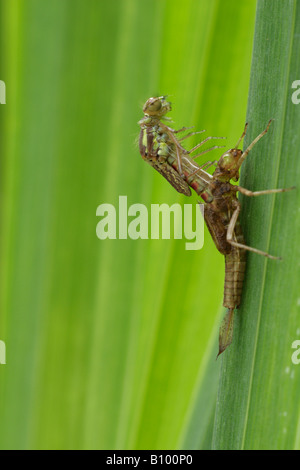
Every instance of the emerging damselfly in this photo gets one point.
(162, 150)
(160, 147)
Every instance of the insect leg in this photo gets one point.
(183, 129)
(242, 136)
(203, 142)
(190, 134)
(244, 154)
(208, 164)
(208, 150)
(205, 165)
(249, 193)
(230, 236)
(179, 149)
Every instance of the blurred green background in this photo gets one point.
(109, 344)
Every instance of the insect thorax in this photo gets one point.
(156, 142)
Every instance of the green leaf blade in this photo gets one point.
(257, 408)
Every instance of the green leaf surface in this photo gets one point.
(110, 344)
(258, 397)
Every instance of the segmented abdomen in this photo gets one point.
(235, 265)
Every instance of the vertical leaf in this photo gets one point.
(258, 406)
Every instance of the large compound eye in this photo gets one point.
(152, 105)
(225, 161)
(226, 158)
